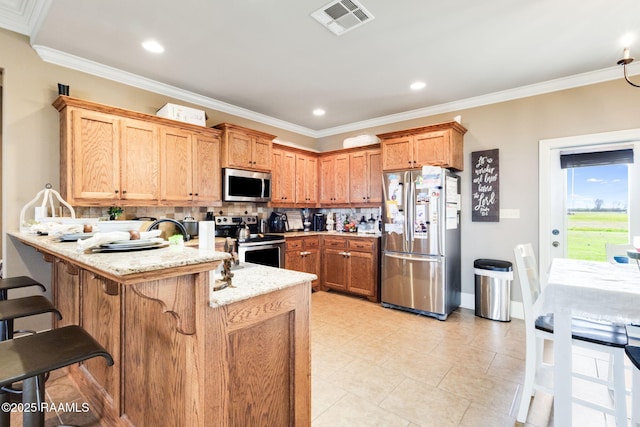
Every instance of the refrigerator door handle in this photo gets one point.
(409, 258)
(410, 208)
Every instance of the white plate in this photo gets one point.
(131, 248)
(72, 237)
(126, 244)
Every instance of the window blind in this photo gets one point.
(596, 159)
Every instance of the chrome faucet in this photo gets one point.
(178, 225)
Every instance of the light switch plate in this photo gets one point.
(509, 213)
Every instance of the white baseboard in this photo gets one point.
(469, 301)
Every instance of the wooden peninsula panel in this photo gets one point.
(183, 354)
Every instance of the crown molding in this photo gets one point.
(22, 16)
(555, 85)
(80, 64)
(91, 67)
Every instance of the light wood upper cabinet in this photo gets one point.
(245, 148)
(334, 178)
(109, 156)
(283, 176)
(306, 179)
(176, 159)
(140, 160)
(365, 174)
(191, 172)
(92, 165)
(207, 175)
(295, 177)
(438, 145)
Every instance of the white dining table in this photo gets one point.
(589, 289)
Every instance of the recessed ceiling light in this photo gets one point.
(627, 40)
(153, 46)
(417, 85)
(319, 112)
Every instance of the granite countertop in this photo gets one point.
(124, 263)
(251, 280)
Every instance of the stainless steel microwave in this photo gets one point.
(245, 186)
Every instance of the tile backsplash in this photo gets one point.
(200, 213)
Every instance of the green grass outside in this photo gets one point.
(589, 231)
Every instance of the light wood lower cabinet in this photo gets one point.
(350, 264)
(180, 362)
(303, 254)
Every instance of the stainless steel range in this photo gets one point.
(265, 249)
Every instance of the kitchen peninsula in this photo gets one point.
(185, 355)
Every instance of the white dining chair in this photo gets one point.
(613, 250)
(633, 353)
(598, 336)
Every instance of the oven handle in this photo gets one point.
(248, 248)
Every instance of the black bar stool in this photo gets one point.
(12, 309)
(9, 311)
(28, 358)
(15, 283)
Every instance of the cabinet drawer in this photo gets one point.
(312, 243)
(293, 244)
(362, 244)
(335, 242)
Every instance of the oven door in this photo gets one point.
(269, 254)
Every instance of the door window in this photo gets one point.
(597, 203)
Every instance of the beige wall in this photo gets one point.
(515, 127)
(31, 157)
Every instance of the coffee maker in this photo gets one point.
(278, 222)
(318, 222)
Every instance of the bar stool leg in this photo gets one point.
(635, 398)
(5, 413)
(33, 392)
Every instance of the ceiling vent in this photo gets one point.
(341, 16)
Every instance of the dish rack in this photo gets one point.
(40, 212)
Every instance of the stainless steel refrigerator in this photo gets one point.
(421, 241)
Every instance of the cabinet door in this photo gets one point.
(261, 156)
(140, 161)
(306, 178)
(432, 148)
(312, 258)
(276, 176)
(311, 180)
(361, 273)
(327, 180)
(334, 273)
(397, 153)
(176, 159)
(96, 157)
(342, 178)
(375, 176)
(239, 150)
(207, 175)
(359, 177)
(293, 260)
(288, 177)
(293, 257)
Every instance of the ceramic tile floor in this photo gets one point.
(373, 366)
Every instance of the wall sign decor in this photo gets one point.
(485, 186)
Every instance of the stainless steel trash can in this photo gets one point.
(493, 289)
